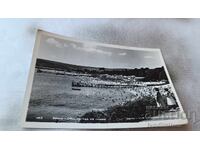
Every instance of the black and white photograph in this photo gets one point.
(75, 84)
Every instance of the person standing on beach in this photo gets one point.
(160, 99)
(171, 100)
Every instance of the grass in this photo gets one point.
(131, 111)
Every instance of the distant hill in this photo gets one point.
(155, 74)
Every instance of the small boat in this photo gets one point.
(77, 89)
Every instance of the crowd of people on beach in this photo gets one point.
(162, 94)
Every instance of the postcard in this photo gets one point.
(78, 84)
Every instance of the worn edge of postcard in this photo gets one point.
(145, 124)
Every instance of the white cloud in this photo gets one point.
(122, 54)
(148, 57)
(66, 45)
(86, 47)
(54, 42)
(91, 49)
(73, 45)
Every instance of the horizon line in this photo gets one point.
(98, 67)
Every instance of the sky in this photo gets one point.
(94, 55)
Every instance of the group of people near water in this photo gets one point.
(167, 100)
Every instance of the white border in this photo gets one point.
(103, 8)
(84, 140)
(142, 124)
